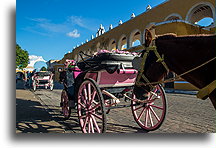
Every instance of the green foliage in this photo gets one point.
(22, 57)
(43, 69)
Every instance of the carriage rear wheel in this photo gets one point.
(150, 116)
(66, 110)
(91, 109)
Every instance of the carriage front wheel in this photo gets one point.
(66, 110)
(90, 107)
(150, 116)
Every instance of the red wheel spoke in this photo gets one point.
(85, 94)
(81, 99)
(95, 123)
(91, 125)
(146, 118)
(85, 122)
(89, 92)
(156, 106)
(97, 116)
(141, 113)
(158, 119)
(96, 106)
(92, 97)
(82, 105)
(150, 118)
(138, 108)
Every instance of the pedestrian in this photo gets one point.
(67, 78)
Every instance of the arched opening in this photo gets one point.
(39, 65)
(173, 16)
(112, 45)
(207, 21)
(200, 11)
(135, 38)
(122, 43)
(136, 43)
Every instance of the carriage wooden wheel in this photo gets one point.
(150, 116)
(91, 109)
(66, 110)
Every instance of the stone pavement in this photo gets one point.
(31, 116)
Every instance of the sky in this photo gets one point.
(51, 28)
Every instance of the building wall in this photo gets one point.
(156, 15)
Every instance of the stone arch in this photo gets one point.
(173, 16)
(200, 11)
(122, 43)
(112, 44)
(135, 36)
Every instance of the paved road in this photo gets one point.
(186, 114)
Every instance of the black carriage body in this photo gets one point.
(108, 61)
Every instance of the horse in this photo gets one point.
(180, 54)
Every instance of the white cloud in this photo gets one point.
(46, 27)
(86, 23)
(74, 34)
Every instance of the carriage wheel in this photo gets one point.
(91, 110)
(51, 85)
(66, 110)
(34, 86)
(150, 116)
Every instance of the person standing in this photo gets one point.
(67, 78)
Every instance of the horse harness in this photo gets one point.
(144, 58)
(202, 94)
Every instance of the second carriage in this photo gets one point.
(105, 81)
(44, 79)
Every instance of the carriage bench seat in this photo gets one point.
(108, 61)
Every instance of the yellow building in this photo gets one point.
(173, 16)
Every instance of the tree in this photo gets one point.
(22, 57)
(43, 68)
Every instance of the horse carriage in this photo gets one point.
(104, 82)
(44, 79)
